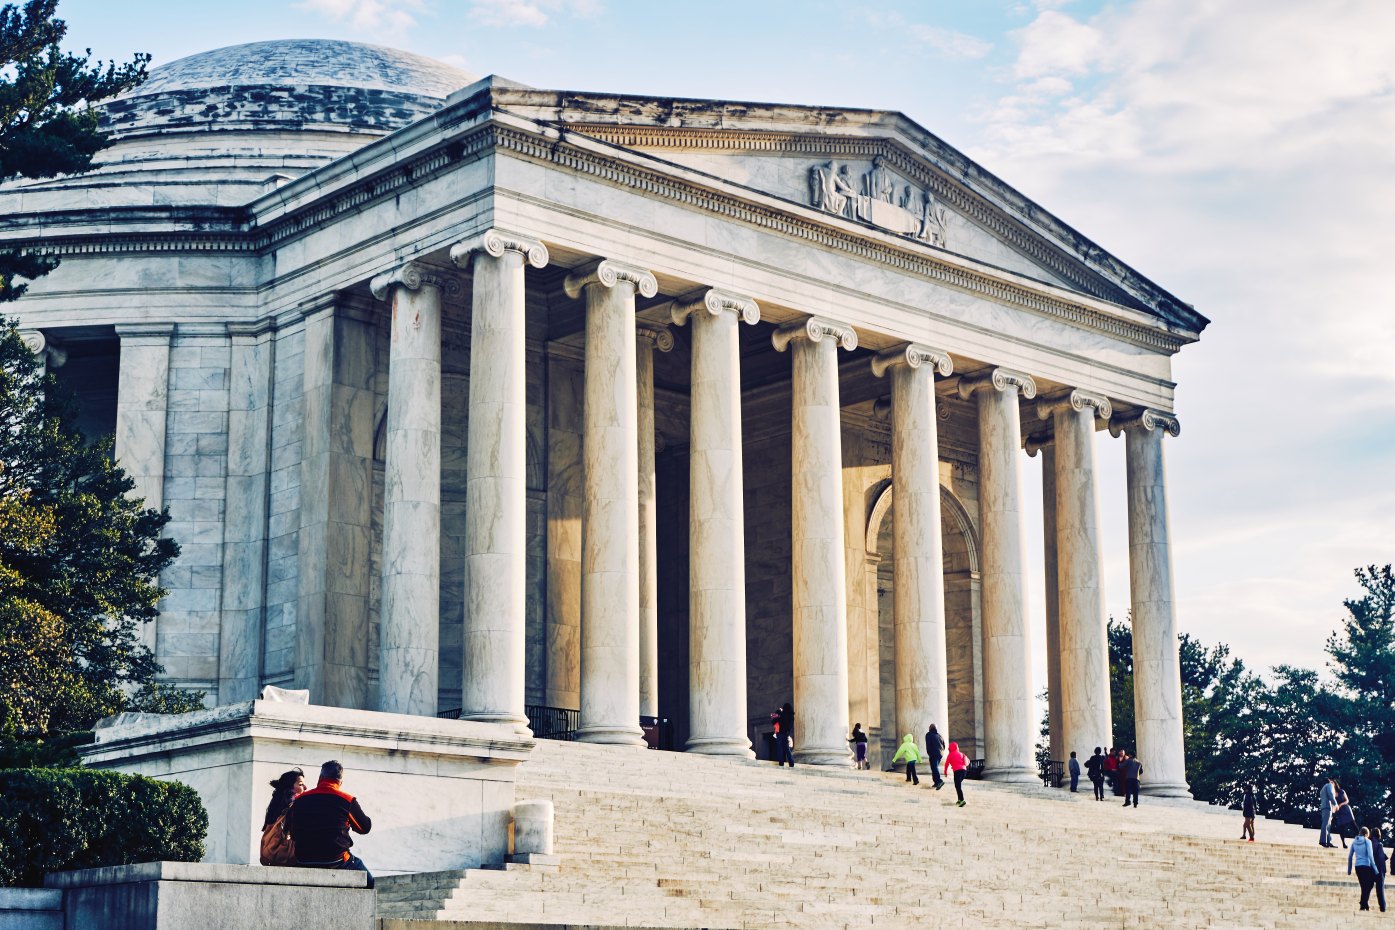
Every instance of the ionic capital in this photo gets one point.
(716, 303)
(912, 355)
(1075, 400)
(412, 275)
(1149, 420)
(652, 336)
(608, 273)
(33, 340)
(496, 242)
(814, 329)
(997, 379)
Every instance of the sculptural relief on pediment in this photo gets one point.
(880, 197)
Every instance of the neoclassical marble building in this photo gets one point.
(463, 393)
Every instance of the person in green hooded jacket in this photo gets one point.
(910, 754)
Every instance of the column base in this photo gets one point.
(720, 746)
(611, 735)
(1180, 790)
(831, 755)
(1012, 776)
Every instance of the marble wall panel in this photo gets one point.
(283, 542)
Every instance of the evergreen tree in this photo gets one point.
(47, 124)
(79, 564)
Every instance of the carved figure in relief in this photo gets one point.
(880, 184)
(830, 188)
(907, 198)
(933, 218)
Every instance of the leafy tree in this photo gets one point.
(47, 124)
(79, 565)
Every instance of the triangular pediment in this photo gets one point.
(867, 168)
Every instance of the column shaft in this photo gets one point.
(648, 529)
(1058, 749)
(1007, 668)
(496, 498)
(717, 533)
(820, 573)
(1084, 639)
(142, 400)
(336, 508)
(610, 514)
(409, 634)
(1157, 678)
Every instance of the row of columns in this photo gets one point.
(618, 578)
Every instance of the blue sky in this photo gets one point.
(1239, 153)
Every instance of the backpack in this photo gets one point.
(277, 846)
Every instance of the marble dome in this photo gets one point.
(286, 84)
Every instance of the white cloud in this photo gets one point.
(1057, 44)
(953, 45)
(378, 17)
(529, 13)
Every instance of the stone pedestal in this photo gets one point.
(1157, 676)
(1009, 725)
(496, 495)
(717, 537)
(610, 515)
(922, 689)
(820, 574)
(409, 625)
(1084, 637)
(440, 792)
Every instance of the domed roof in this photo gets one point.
(286, 85)
(318, 62)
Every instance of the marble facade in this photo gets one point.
(678, 414)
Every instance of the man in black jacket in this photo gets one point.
(320, 821)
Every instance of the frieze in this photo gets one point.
(881, 198)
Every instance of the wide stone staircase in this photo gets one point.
(654, 839)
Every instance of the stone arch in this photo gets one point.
(963, 628)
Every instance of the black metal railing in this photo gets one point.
(1052, 771)
(552, 722)
(976, 768)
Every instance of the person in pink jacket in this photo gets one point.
(959, 762)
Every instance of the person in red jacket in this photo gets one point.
(959, 762)
(320, 821)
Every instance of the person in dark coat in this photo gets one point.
(1074, 768)
(1379, 854)
(321, 820)
(785, 734)
(859, 741)
(1130, 772)
(934, 748)
(1343, 817)
(1094, 768)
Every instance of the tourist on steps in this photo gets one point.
(1074, 773)
(859, 741)
(934, 749)
(1129, 773)
(1094, 767)
(1247, 810)
(320, 821)
(1381, 859)
(1364, 860)
(784, 734)
(1111, 767)
(959, 763)
(1326, 802)
(909, 753)
(1343, 815)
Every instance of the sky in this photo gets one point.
(1240, 153)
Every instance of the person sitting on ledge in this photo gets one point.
(320, 821)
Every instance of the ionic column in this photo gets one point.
(1157, 676)
(650, 336)
(610, 512)
(918, 599)
(716, 527)
(820, 572)
(409, 664)
(496, 494)
(1084, 636)
(142, 401)
(1042, 445)
(1008, 723)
